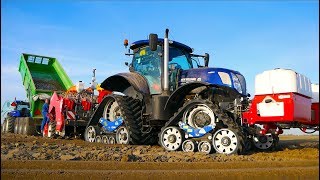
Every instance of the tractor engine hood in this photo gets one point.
(215, 76)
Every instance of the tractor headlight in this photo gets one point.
(236, 83)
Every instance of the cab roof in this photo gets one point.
(176, 44)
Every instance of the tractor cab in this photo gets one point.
(21, 109)
(148, 63)
(183, 68)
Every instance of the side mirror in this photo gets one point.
(153, 41)
(206, 60)
(249, 95)
(127, 64)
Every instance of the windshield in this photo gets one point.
(179, 58)
(148, 64)
(5, 109)
(243, 83)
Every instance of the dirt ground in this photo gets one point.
(31, 157)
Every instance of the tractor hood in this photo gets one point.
(216, 76)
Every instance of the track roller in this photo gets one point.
(105, 139)
(189, 145)
(98, 139)
(205, 147)
(112, 140)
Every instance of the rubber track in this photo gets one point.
(230, 124)
(130, 108)
(146, 138)
(225, 120)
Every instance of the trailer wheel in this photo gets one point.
(226, 141)
(51, 129)
(20, 126)
(16, 126)
(29, 128)
(10, 124)
(90, 133)
(24, 130)
(265, 142)
(171, 138)
(4, 125)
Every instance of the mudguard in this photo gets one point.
(179, 94)
(122, 81)
(15, 113)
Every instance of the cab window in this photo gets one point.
(148, 64)
(178, 57)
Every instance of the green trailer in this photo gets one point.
(41, 76)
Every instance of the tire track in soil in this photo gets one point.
(307, 169)
(297, 158)
(261, 173)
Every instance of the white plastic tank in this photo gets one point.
(282, 81)
(315, 93)
(80, 86)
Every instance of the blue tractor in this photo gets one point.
(169, 98)
(12, 111)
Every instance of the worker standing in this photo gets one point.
(45, 110)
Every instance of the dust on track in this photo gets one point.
(32, 157)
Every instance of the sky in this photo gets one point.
(247, 36)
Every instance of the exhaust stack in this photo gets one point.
(165, 64)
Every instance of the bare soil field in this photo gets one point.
(33, 157)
